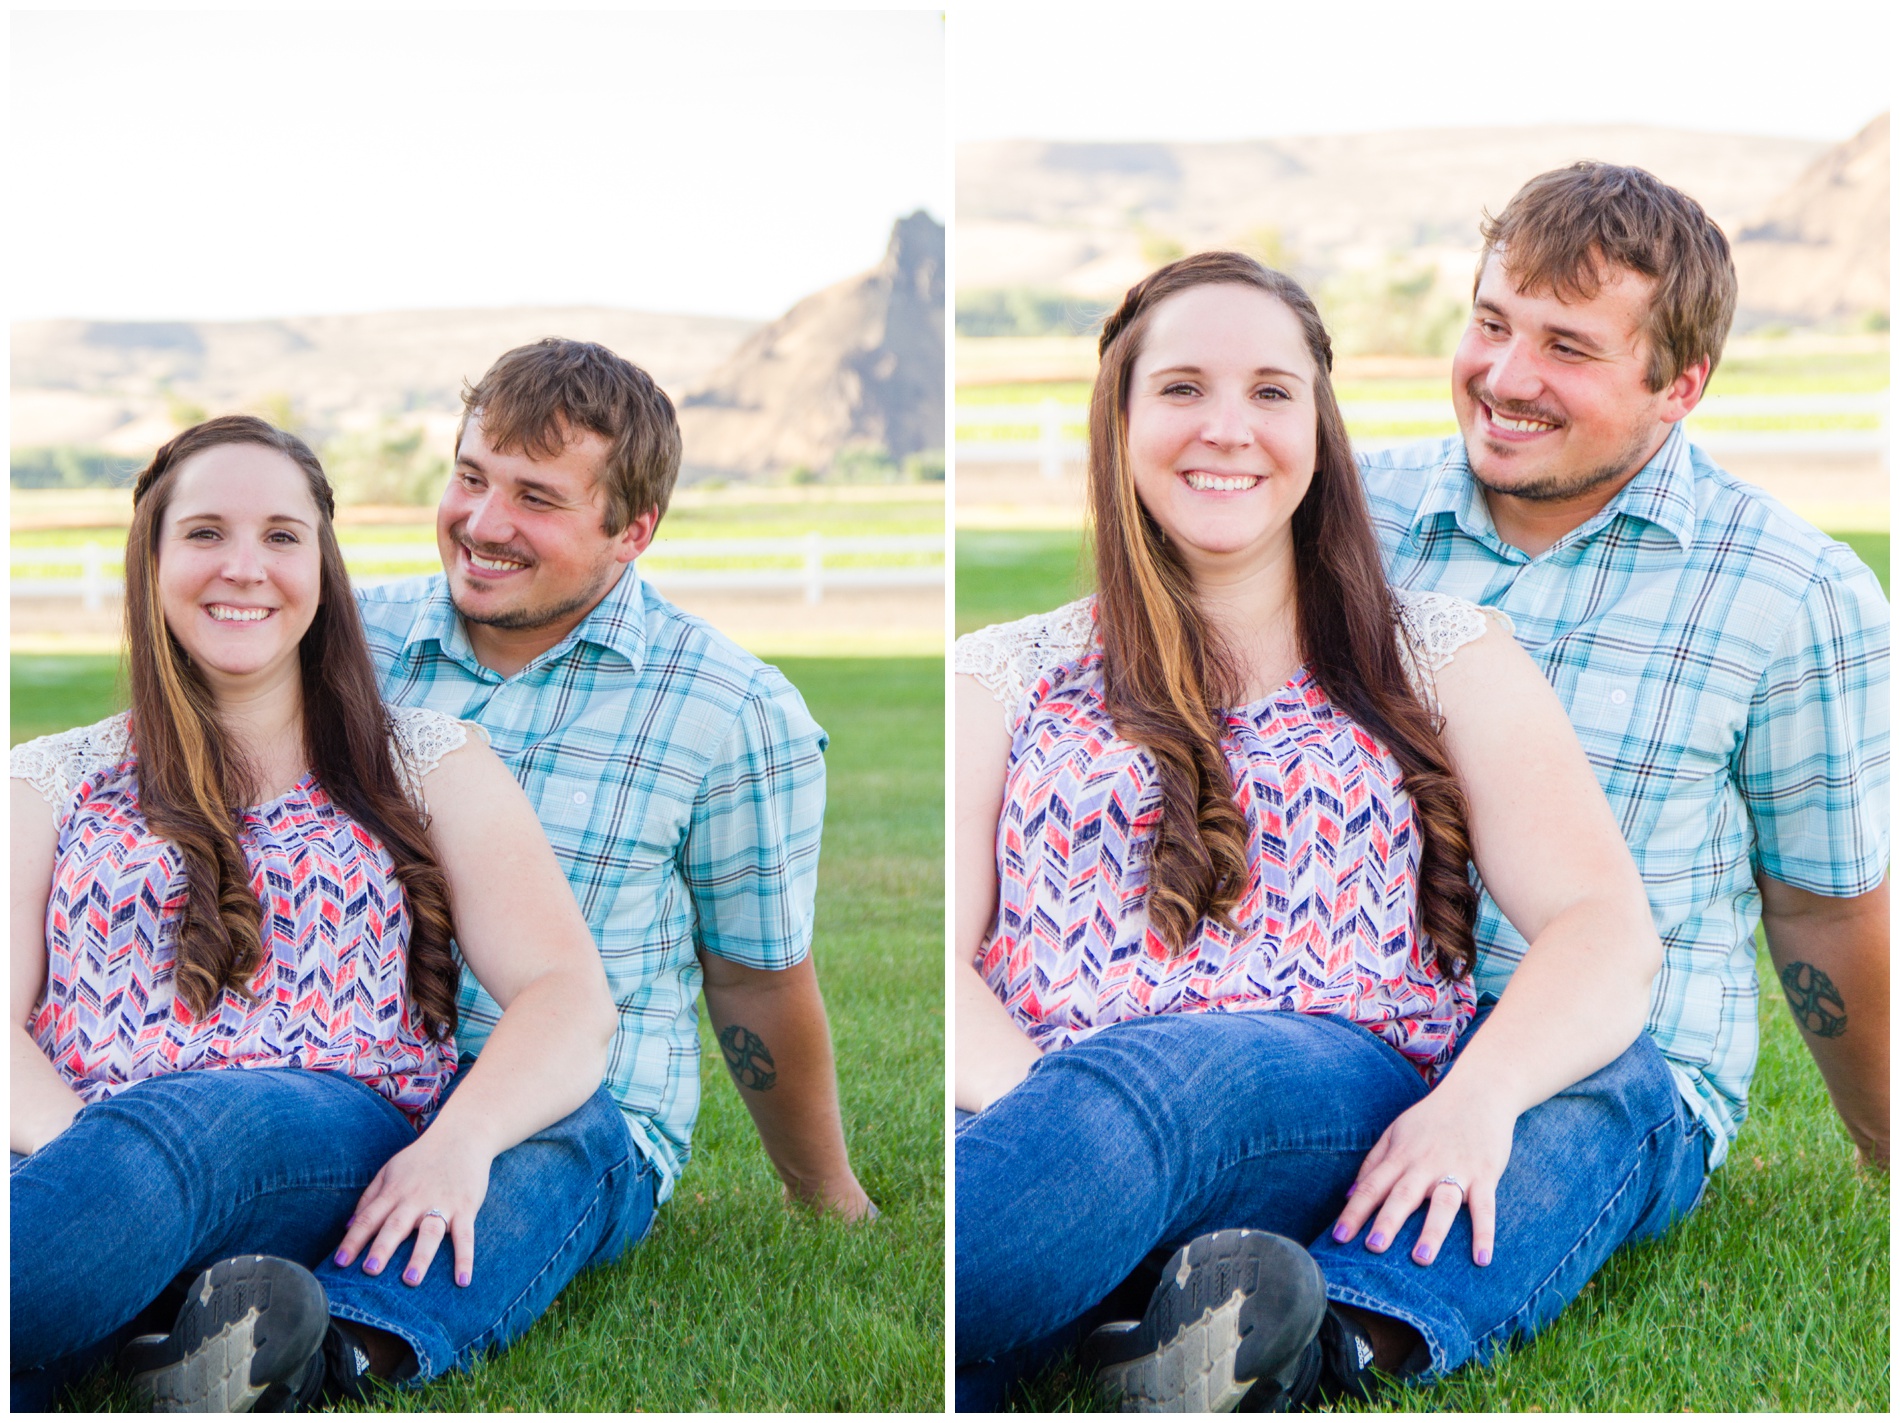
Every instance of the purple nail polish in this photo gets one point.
(372, 1265)
(1340, 1233)
(343, 1257)
(462, 1279)
(1350, 1189)
(412, 1277)
(1423, 1255)
(1375, 1241)
(1484, 1257)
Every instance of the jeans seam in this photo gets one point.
(482, 1342)
(1504, 1327)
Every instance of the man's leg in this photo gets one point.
(1148, 1134)
(577, 1194)
(1616, 1157)
(171, 1175)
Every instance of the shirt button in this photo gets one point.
(580, 797)
(1617, 698)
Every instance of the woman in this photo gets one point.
(234, 989)
(1244, 777)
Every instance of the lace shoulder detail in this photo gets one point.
(421, 738)
(1007, 658)
(55, 765)
(1432, 627)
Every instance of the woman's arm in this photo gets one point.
(993, 1054)
(523, 937)
(40, 1104)
(1553, 858)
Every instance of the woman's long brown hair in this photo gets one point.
(193, 785)
(1168, 680)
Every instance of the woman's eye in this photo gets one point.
(284, 536)
(202, 535)
(1272, 392)
(1179, 387)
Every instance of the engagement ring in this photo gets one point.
(1452, 1181)
(432, 1211)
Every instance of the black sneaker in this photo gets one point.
(1232, 1308)
(346, 1376)
(1336, 1365)
(244, 1339)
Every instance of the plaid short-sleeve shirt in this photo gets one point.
(1725, 666)
(682, 784)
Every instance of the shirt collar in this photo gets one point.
(1662, 493)
(617, 624)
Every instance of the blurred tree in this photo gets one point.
(863, 464)
(1392, 308)
(1158, 249)
(924, 467)
(387, 464)
(1270, 247)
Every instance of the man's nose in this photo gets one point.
(1514, 374)
(487, 521)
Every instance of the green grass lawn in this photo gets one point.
(736, 1303)
(1774, 1295)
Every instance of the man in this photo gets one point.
(1725, 666)
(681, 782)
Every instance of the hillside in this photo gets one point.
(859, 364)
(1088, 219)
(1819, 250)
(124, 386)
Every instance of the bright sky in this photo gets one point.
(243, 164)
(1813, 69)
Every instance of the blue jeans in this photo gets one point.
(189, 1168)
(1152, 1132)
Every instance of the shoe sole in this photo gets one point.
(246, 1324)
(1231, 1308)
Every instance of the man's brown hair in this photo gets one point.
(1565, 230)
(535, 398)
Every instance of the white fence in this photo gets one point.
(100, 575)
(1054, 445)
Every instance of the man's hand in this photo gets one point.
(776, 1042)
(1830, 956)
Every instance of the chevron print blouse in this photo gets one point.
(1329, 920)
(331, 992)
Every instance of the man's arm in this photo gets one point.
(1831, 958)
(773, 1033)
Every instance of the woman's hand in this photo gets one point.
(441, 1172)
(1450, 1133)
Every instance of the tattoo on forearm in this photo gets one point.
(748, 1058)
(1816, 1001)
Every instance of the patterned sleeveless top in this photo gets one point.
(1329, 920)
(331, 990)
